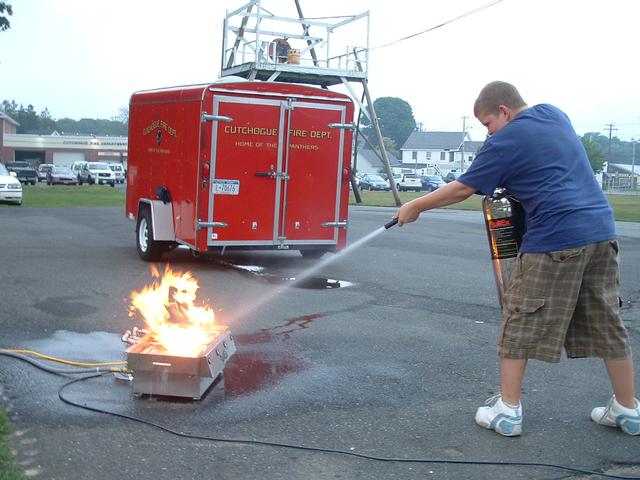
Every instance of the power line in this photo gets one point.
(438, 26)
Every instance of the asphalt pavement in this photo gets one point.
(392, 364)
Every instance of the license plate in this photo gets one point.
(226, 187)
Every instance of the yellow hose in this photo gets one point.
(66, 362)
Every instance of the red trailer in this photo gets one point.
(239, 165)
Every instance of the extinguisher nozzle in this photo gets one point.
(390, 224)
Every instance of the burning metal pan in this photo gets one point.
(156, 371)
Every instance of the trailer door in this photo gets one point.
(313, 167)
(246, 160)
(276, 172)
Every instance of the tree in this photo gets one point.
(4, 21)
(614, 151)
(395, 118)
(594, 152)
(391, 147)
(32, 122)
(123, 116)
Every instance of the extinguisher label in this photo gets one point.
(501, 223)
(504, 240)
(225, 187)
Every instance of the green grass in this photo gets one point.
(71, 196)
(8, 469)
(625, 207)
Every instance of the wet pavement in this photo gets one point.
(386, 352)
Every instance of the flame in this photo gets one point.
(170, 315)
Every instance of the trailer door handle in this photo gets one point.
(206, 117)
(282, 175)
(335, 224)
(202, 224)
(346, 126)
(272, 173)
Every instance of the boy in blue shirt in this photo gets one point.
(563, 292)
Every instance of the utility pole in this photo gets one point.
(464, 134)
(610, 127)
(633, 163)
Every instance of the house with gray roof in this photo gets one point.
(367, 161)
(438, 153)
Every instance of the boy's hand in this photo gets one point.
(407, 213)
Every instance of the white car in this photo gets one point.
(76, 167)
(10, 187)
(96, 173)
(409, 181)
(118, 170)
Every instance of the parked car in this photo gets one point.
(59, 175)
(431, 182)
(409, 181)
(76, 167)
(96, 173)
(451, 176)
(118, 169)
(370, 181)
(42, 171)
(24, 172)
(10, 187)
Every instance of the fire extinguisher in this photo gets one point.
(505, 222)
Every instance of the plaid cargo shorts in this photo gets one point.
(566, 298)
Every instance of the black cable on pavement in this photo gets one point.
(322, 450)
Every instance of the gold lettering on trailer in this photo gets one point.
(245, 130)
(163, 151)
(273, 132)
(298, 133)
(299, 146)
(320, 134)
(159, 124)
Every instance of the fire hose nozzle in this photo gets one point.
(390, 224)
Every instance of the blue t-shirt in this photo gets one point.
(541, 161)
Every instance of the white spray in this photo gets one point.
(310, 271)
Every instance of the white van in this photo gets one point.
(118, 170)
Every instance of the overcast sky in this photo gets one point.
(84, 58)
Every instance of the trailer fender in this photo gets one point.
(161, 219)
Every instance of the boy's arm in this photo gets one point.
(453, 192)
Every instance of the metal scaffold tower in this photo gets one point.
(259, 45)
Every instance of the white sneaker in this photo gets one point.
(500, 417)
(616, 415)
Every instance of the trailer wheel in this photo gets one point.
(148, 249)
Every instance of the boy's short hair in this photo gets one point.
(495, 94)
